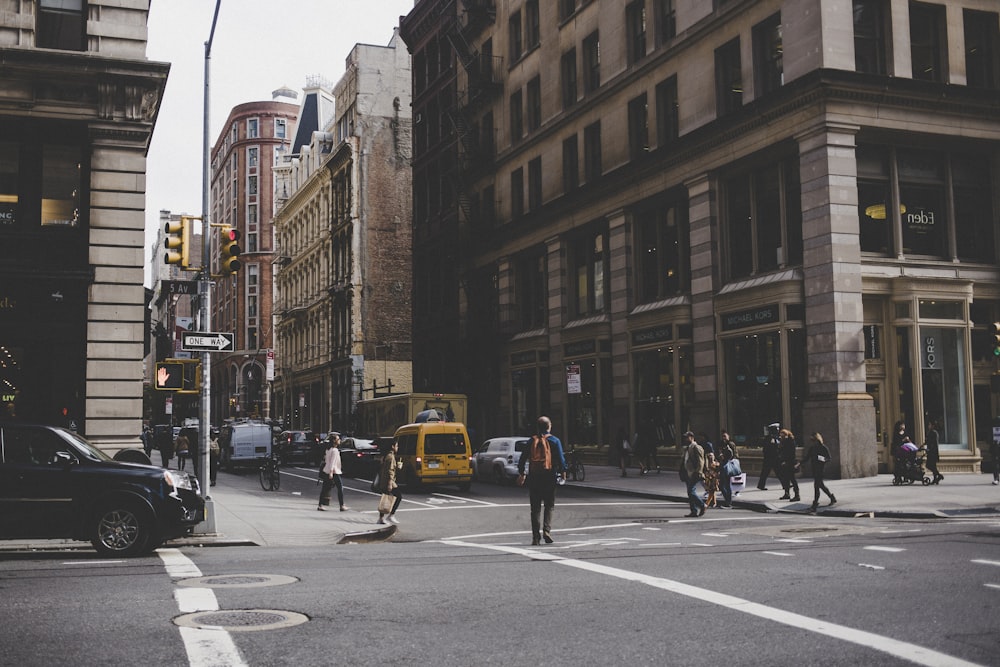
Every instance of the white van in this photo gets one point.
(244, 443)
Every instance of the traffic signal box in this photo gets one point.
(995, 336)
(182, 376)
(177, 242)
(229, 250)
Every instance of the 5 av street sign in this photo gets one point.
(203, 341)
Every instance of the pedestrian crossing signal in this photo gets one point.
(996, 339)
(169, 376)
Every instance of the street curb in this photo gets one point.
(377, 535)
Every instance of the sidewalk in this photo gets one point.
(255, 517)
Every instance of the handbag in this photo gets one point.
(385, 503)
(733, 468)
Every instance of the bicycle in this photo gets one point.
(270, 473)
(574, 466)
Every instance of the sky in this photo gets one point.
(258, 47)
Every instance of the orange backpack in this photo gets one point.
(540, 454)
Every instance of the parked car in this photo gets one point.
(497, 458)
(359, 457)
(299, 447)
(56, 485)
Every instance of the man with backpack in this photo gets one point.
(545, 462)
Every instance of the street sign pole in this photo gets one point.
(204, 292)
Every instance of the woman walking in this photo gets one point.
(786, 458)
(389, 486)
(932, 445)
(332, 475)
(817, 455)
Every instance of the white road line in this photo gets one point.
(987, 562)
(526, 532)
(715, 534)
(892, 550)
(794, 540)
(776, 553)
(996, 586)
(468, 500)
(93, 562)
(205, 647)
(905, 650)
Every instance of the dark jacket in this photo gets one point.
(931, 445)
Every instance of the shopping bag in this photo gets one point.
(385, 503)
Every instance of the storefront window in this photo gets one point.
(60, 185)
(662, 398)
(942, 368)
(524, 399)
(753, 384)
(874, 196)
(8, 183)
(660, 252)
(904, 376)
(590, 407)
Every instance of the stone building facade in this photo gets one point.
(343, 278)
(79, 100)
(707, 215)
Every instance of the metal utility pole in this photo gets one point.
(204, 300)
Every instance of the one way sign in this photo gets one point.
(202, 341)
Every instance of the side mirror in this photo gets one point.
(64, 459)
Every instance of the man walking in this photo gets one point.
(545, 456)
(770, 456)
(694, 467)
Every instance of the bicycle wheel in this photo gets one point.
(579, 473)
(265, 478)
(275, 477)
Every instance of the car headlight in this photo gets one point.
(181, 481)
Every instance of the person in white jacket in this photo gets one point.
(331, 475)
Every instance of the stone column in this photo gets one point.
(555, 384)
(619, 249)
(702, 217)
(836, 405)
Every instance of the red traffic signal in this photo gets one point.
(229, 249)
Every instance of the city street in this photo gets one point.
(628, 580)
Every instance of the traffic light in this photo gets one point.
(996, 339)
(229, 249)
(177, 242)
(169, 376)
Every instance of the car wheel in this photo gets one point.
(122, 528)
(499, 476)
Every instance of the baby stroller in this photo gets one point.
(909, 467)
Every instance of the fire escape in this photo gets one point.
(484, 82)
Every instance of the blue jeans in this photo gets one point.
(694, 498)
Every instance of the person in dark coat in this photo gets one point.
(931, 444)
(164, 437)
(770, 456)
(817, 455)
(726, 453)
(787, 464)
(899, 436)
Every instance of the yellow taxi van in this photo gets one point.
(434, 452)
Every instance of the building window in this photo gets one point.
(665, 15)
(234, 133)
(61, 181)
(516, 117)
(9, 170)
(566, 9)
(252, 156)
(927, 42)
(516, 39)
(251, 185)
(567, 70)
(638, 127)
(728, 78)
(667, 112)
(660, 245)
(516, 193)
(571, 164)
(982, 49)
(252, 128)
(531, 25)
(592, 168)
(531, 291)
(61, 25)
(929, 185)
(534, 100)
(280, 128)
(590, 267)
(763, 219)
(535, 184)
(871, 42)
(664, 391)
(635, 31)
(767, 55)
(591, 62)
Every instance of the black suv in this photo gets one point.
(55, 484)
(299, 447)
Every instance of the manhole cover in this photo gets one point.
(241, 620)
(239, 581)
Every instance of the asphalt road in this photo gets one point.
(628, 581)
